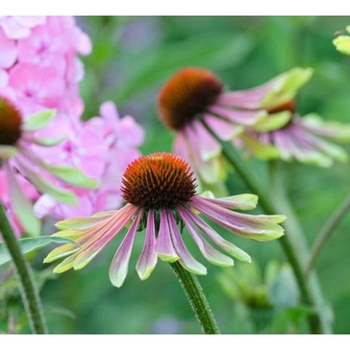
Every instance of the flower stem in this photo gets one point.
(326, 232)
(297, 238)
(197, 299)
(269, 208)
(29, 292)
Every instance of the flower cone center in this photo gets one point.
(186, 96)
(10, 123)
(159, 180)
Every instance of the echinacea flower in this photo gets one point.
(342, 42)
(285, 134)
(193, 95)
(161, 198)
(18, 159)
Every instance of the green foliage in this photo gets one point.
(131, 58)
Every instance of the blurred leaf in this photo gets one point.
(214, 50)
(284, 291)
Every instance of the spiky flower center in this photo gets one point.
(10, 123)
(159, 180)
(186, 96)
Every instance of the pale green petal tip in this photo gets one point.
(286, 86)
(7, 152)
(145, 274)
(273, 122)
(168, 257)
(342, 44)
(197, 269)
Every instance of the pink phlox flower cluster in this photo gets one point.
(101, 147)
(40, 70)
(39, 67)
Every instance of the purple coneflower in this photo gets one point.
(193, 95)
(161, 198)
(285, 134)
(17, 159)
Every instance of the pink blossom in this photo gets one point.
(101, 147)
(17, 27)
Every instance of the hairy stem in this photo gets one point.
(196, 298)
(28, 288)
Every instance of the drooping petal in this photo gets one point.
(273, 122)
(164, 245)
(45, 186)
(262, 149)
(244, 117)
(332, 130)
(61, 252)
(208, 147)
(20, 203)
(186, 259)
(148, 257)
(119, 266)
(244, 201)
(68, 174)
(209, 170)
(79, 223)
(217, 239)
(223, 128)
(100, 236)
(249, 226)
(210, 253)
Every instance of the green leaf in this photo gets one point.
(70, 175)
(39, 120)
(45, 187)
(52, 141)
(27, 245)
(213, 50)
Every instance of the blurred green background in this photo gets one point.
(132, 57)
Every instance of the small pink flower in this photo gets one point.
(18, 158)
(101, 147)
(17, 27)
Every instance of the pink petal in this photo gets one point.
(8, 51)
(148, 257)
(211, 254)
(186, 259)
(119, 266)
(241, 117)
(164, 245)
(224, 129)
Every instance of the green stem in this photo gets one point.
(326, 233)
(29, 292)
(297, 238)
(269, 208)
(197, 299)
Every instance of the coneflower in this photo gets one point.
(161, 200)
